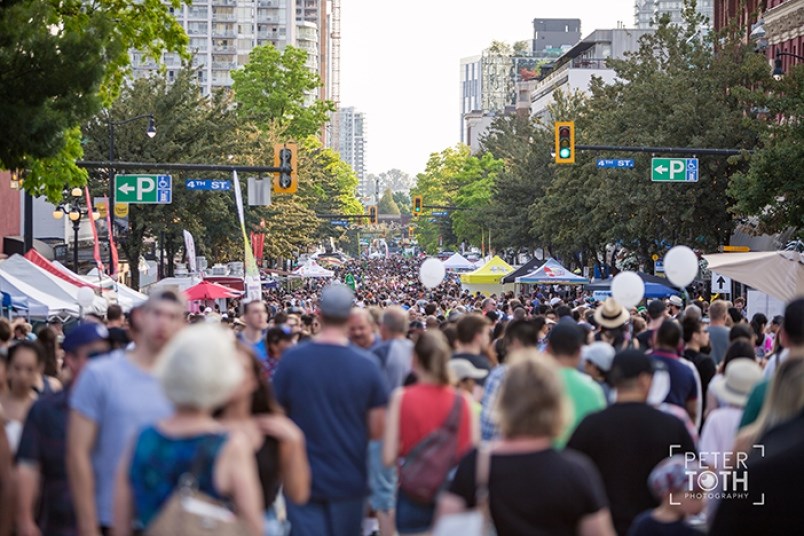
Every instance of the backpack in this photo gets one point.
(424, 470)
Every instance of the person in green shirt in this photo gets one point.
(792, 337)
(585, 396)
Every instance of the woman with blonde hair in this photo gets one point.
(785, 401)
(418, 411)
(198, 370)
(531, 487)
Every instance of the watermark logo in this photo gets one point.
(717, 475)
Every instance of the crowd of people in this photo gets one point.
(393, 409)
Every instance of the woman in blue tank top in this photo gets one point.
(198, 370)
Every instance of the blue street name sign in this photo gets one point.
(208, 185)
(617, 163)
(440, 213)
(340, 223)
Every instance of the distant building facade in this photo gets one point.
(575, 68)
(352, 144)
(648, 12)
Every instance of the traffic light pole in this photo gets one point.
(664, 150)
(144, 166)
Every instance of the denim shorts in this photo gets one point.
(382, 480)
(413, 517)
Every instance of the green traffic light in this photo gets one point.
(564, 153)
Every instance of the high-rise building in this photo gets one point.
(647, 12)
(489, 81)
(551, 37)
(222, 34)
(576, 68)
(352, 145)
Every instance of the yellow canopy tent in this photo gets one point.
(487, 278)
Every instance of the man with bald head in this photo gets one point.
(361, 329)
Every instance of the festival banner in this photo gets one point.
(189, 246)
(96, 245)
(253, 286)
(115, 267)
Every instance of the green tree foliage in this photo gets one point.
(273, 87)
(402, 201)
(191, 128)
(388, 204)
(59, 61)
(674, 91)
(454, 177)
(772, 189)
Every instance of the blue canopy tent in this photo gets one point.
(552, 273)
(655, 287)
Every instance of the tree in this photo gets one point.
(191, 129)
(59, 62)
(387, 204)
(274, 86)
(772, 188)
(402, 201)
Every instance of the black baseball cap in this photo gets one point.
(630, 364)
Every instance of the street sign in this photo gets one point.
(339, 223)
(658, 267)
(618, 163)
(143, 189)
(440, 213)
(208, 185)
(720, 284)
(674, 169)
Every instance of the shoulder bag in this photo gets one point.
(476, 522)
(424, 470)
(190, 512)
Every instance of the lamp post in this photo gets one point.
(75, 212)
(151, 132)
(778, 71)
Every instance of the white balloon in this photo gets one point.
(681, 266)
(628, 289)
(85, 297)
(432, 273)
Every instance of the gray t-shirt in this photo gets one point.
(719, 341)
(120, 398)
(395, 358)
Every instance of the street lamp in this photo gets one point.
(778, 70)
(150, 132)
(74, 212)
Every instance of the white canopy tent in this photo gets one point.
(49, 284)
(39, 303)
(313, 270)
(458, 262)
(127, 297)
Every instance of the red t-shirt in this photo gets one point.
(424, 408)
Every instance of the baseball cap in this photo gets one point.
(336, 301)
(670, 475)
(84, 334)
(600, 354)
(628, 365)
(463, 368)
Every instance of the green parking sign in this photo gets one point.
(143, 189)
(674, 170)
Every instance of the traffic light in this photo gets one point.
(565, 142)
(372, 211)
(286, 156)
(417, 206)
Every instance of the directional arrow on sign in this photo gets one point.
(720, 282)
(662, 169)
(126, 188)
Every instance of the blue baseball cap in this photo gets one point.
(84, 334)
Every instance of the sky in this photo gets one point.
(400, 63)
